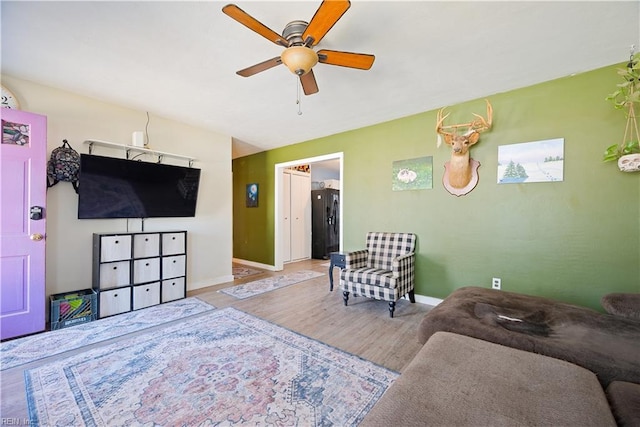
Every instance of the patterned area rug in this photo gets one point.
(257, 287)
(222, 368)
(24, 350)
(240, 272)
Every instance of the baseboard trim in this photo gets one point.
(254, 264)
(424, 299)
(218, 280)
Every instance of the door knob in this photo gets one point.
(36, 237)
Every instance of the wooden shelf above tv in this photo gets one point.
(128, 149)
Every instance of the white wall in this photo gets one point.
(69, 240)
(319, 172)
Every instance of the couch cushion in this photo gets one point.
(624, 399)
(607, 345)
(463, 381)
(370, 276)
(384, 247)
(621, 304)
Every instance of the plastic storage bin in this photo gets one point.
(73, 308)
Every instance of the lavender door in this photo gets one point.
(23, 153)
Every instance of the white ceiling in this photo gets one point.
(178, 59)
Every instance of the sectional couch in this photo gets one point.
(501, 358)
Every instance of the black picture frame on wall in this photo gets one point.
(252, 195)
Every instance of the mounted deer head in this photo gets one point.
(461, 172)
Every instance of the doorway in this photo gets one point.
(279, 228)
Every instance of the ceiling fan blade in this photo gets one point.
(253, 24)
(309, 85)
(325, 17)
(255, 69)
(361, 61)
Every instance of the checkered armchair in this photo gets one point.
(384, 271)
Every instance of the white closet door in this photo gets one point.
(300, 216)
(286, 221)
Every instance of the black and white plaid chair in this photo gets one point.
(384, 271)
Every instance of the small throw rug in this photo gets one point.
(222, 368)
(35, 347)
(241, 272)
(257, 287)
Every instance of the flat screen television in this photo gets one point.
(119, 188)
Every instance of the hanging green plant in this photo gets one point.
(627, 98)
(616, 151)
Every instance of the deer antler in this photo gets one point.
(477, 125)
(439, 127)
(480, 124)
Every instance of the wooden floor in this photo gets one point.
(363, 328)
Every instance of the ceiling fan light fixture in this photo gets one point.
(299, 59)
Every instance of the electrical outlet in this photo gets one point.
(496, 283)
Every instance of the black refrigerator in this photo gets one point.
(325, 222)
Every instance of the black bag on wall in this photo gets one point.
(63, 165)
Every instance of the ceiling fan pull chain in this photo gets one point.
(298, 101)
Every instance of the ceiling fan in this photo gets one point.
(298, 38)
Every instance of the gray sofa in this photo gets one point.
(456, 380)
(605, 344)
(501, 358)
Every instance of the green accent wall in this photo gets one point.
(573, 241)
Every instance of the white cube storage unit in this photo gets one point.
(137, 270)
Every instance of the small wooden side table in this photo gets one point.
(338, 259)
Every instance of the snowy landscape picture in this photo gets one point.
(539, 161)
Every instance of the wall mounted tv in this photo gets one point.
(119, 188)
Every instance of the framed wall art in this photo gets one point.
(412, 174)
(252, 195)
(538, 161)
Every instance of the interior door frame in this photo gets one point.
(278, 226)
